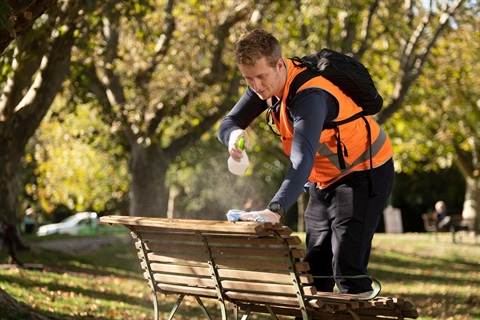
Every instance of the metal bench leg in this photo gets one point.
(175, 307)
(235, 312)
(205, 311)
(155, 305)
(274, 316)
(246, 314)
(223, 308)
(353, 314)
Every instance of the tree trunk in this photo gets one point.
(470, 204)
(19, 310)
(468, 163)
(19, 121)
(148, 167)
(9, 179)
(21, 115)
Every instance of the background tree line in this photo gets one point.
(108, 103)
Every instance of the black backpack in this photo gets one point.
(345, 72)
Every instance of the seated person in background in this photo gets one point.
(440, 215)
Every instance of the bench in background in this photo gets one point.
(246, 266)
(457, 224)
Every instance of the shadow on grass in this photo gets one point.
(398, 268)
(442, 284)
(118, 261)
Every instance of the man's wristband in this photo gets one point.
(276, 207)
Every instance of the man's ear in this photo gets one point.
(280, 64)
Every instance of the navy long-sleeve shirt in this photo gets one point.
(309, 110)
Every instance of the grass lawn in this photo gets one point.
(442, 279)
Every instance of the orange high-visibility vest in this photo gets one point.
(334, 160)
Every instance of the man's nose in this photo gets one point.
(256, 84)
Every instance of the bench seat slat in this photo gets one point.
(261, 287)
(323, 311)
(262, 276)
(276, 301)
(235, 296)
(289, 311)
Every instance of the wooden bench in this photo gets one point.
(457, 224)
(247, 266)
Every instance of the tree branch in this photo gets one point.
(143, 79)
(217, 69)
(54, 68)
(411, 64)
(19, 18)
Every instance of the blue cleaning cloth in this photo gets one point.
(234, 216)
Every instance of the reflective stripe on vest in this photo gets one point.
(376, 146)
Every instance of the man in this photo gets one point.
(345, 205)
(440, 215)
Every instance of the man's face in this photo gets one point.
(263, 79)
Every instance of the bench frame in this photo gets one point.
(231, 280)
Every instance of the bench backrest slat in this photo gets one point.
(232, 239)
(198, 248)
(205, 282)
(188, 290)
(167, 269)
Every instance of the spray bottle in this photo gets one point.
(236, 167)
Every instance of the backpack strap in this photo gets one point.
(305, 76)
(297, 82)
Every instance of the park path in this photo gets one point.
(80, 245)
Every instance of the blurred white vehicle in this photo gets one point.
(72, 225)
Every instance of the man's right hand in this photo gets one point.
(261, 216)
(234, 151)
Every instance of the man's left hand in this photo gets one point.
(266, 215)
